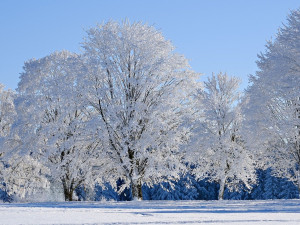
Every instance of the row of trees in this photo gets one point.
(130, 109)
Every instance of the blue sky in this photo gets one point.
(215, 35)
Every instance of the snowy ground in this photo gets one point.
(154, 212)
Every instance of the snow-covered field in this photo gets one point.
(154, 212)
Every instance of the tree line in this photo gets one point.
(131, 109)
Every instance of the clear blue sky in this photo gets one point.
(216, 35)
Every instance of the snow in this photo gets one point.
(153, 212)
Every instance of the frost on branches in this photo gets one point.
(221, 153)
(127, 112)
(140, 90)
(7, 110)
(56, 118)
(118, 111)
(7, 117)
(275, 93)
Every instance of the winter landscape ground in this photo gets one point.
(154, 212)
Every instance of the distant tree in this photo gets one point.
(25, 178)
(140, 88)
(219, 151)
(207, 190)
(7, 116)
(183, 189)
(7, 110)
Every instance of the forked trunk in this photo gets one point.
(68, 190)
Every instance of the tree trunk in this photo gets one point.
(68, 191)
(68, 194)
(222, 188)
(298, 182)
(135, 181)
(136, 190)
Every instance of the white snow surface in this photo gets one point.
(154, 212)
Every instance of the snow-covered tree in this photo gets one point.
(7, 113)
(274, 102)
(56, 121)
(25, 178)
(7, 117)
(19, 176)
(140, 89)
(7, 110)
(219, 151)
